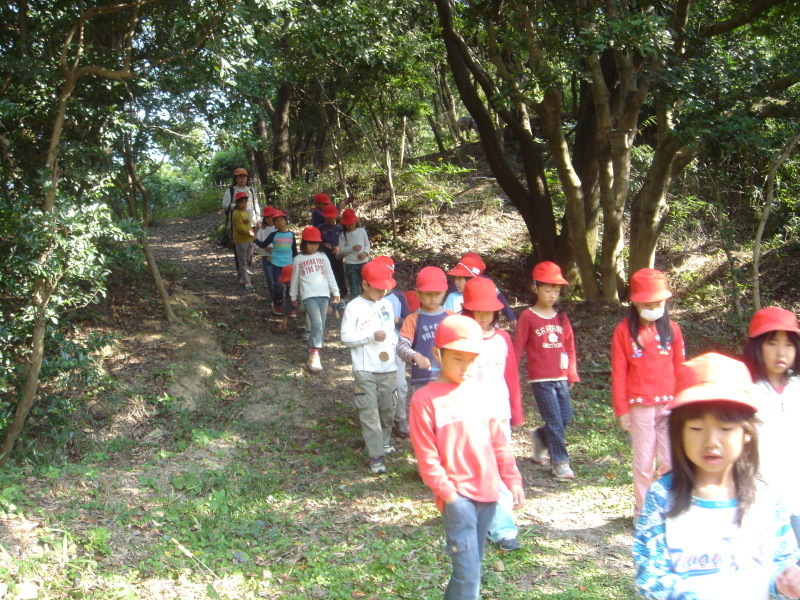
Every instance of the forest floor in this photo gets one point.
(213, 464)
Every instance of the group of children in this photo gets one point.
(714, 439)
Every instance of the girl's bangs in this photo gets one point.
(727, 412)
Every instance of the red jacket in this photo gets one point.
(550, 345)
(458, 447)
(643, 376)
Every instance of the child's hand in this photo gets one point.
(452, 498)
(356, 248)
(625, 422)
(362, 255)
(421, 361)
(250, 233)
(788, 581)
(335, 250)
(380, 335)
(571, 385)
(284, 323)
(295, 303)
(336, 300)
(519, 496)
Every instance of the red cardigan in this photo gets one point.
(643, 376)
(545, 341)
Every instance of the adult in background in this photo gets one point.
(239, 184)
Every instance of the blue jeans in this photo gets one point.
(266, 266)
(795, 521)
(354, 279)
(317, 311)
(502, 526)
(466, 523)
(552, 398)
(278, 287)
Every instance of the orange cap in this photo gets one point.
(349, 216)
(649, 285)
(548, 272)
(772, 318)
(457, 332)
(431, 279)
(480, 293)
(378, 275)
(712, 377)
(240, 171)
(311, 234)
(286, 274)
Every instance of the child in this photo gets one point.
(284, 250)
(546, 335)
(708, 529)
(354, 249)
(330, 232)
(243, 237)
(471, 265)
(313, 283)
(772, 354)
(417, 333)
(368, 329)
(496, 367)
(646, 351)
(321, 201)
(400, 308)
(462, 453)
(267, 227)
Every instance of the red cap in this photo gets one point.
(278, 213)
(457, 332)
(772, 319)
(321, 197)
(240, 195)
(378, 275)
(413, 300)
(480, 293)
(349, 216)
(548, 272)
(268, 211)
(311, 234)
(286, 274)
(385, 260)
(240, 171)
(649, 285)
(469, 265)
(712, 377)
(431, 279)
(330, 211)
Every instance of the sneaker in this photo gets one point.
(540, 454)
(248, 287)
(277, 310)
(563, 471)
(401, 429)
(388, 449)
(305, 335)
(313, 361)
(508, 544)
(376, 465)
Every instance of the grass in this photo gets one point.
(226, 510)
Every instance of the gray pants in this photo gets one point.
(242, 260)
(375, 402)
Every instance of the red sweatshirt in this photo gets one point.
(644, 375)
(550, 345)
(459, 448)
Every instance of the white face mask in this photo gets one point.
(651, 314)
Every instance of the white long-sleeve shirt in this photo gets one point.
(349, 239)
(362, 318)
(312, 277)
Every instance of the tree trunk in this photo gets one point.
(446, 95)
(402, 152)
(262, 162)
(281, 151)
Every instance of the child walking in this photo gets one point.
(772, 355)
(545, 334)
(267, 227)
(313, 284)
(462, 453)
(646, 351)
(418, 330)
(708, 529)
(496, 367)
(284, 249)
(330, 232)
(354, 249)
(243, 237)
(368, 330)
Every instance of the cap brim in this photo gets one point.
(383, 284)
(712, 392)
(471, 346)
(655, 297)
